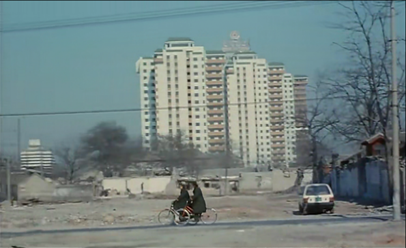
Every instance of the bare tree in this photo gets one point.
(108, 143)
(176, 150)
(319, 122)
(195, 162)
(71, 161)
(362, 87)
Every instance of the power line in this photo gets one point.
(137, 16)
(151, 109)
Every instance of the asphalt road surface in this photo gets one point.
(302, 231)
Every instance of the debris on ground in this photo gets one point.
(137, 209)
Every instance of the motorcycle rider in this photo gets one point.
(182, 199)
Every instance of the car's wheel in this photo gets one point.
(331, 211)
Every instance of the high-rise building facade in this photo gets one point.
(37, 158)
(218, 96)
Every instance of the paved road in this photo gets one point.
(302, 220)
(309, 231)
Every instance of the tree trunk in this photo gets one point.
(314, 161)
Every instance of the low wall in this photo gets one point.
(255, 181)
(60, 193)
(282, 183)
(369, 181)
(150, 184)
(69, 193)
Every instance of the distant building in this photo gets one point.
(185, 87)
(36, 158)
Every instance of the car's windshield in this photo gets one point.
(318, 190)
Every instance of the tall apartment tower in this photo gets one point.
(214, 95)
(173, 87)
(302, 130)
(248, 107)
(215, 61)
(276, 112)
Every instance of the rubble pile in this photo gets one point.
(92, 219)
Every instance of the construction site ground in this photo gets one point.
(143, 210)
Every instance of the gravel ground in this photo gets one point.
(381, 234)
(124, 211)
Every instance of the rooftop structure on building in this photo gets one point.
(235, 44)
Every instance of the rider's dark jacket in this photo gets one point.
(182, 199)
(198, 204)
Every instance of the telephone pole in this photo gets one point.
(227, 134)
(19, 141)
(395, 122)
(8, 164)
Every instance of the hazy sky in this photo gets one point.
(93, 67)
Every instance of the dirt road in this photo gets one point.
(124, 211)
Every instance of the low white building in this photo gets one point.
(37, 158)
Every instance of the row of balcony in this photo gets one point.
(214, 104)
(214, 68)
(214, 90)
(215, 83)
(214, 76)
(214, 97)
(277, 114)
(276, 108)
(216, 134)
(219, 118)
(277, 121)
(278, 139)
(216, 126)
(275, 77)
(217, 148)
(216, 141)
(280, 127)
(271, 72)
(278, 145)
(215, 111)
(279, 96)
(278, 90)
(301, 82)
(158, 60)
(279, 152)
(216, 61)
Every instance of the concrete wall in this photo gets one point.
(151, 184)
(377, 187)
(347, 183)
(221, 172)
(71, 193)
(307, 177)
(119, 184)
(36, 187)
(280, 182)
(255, 181)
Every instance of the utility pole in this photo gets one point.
(227, 134)
(19, 141)
(1, 73)
(315, 160)
(395, 123)
(8, 180)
